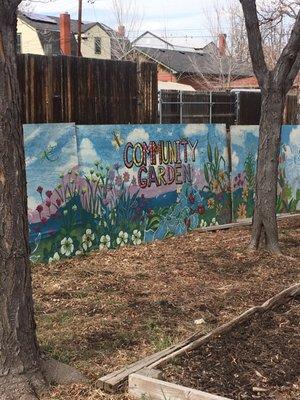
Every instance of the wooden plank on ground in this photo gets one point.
(113, 381)
(141, 386)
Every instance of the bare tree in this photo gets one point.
(274, 84)
(23, 370)
(127, 15)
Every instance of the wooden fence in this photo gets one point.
(86, 91)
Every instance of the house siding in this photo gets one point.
(88, 45)
(30, 42)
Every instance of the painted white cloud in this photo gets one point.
(295, 137)
(30, 160)
(288, 152)
(32, 203)
(194, 129)
(138, 135)
(87, 151)
(235, 160)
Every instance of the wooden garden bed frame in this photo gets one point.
(143, 375)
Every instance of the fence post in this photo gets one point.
(210, 107)
(181, 105)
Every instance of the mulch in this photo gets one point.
(258, 360)
(111, 308)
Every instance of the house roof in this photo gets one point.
(47, 28)
(191, 62)
(153, 35)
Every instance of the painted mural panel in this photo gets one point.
(244, 140)
(146, 182)
(51, 166)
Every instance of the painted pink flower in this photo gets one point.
(201, 209)
(192, 198)
(43, 220)
(48, 203)
(58, 202)
(39, 208)
(49, 193)
(126, 176)
(119, 180)
(40, 189)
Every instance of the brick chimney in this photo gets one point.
(121, 30)
(65, 33)
(222, 44)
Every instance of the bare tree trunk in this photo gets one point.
(264, 219)
(20, 374)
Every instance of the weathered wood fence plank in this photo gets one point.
(86, 91)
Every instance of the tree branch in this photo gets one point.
(255, 41)
(287, 65)
(292, 74)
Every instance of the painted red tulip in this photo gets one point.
(49, 193)
(48, 203)
(187, 222)
(58, 202)
(201, 209)
(39, 208)
(40, 189)
(43, 220)
(191, 198)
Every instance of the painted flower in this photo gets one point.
(104, 242)
(78, 252)
(111, 174)
(136, 237)
(245, 193)
(126, 176)
(222, 175)
(39, 208)
(49, 194)
(117, 166)
(122, 239)
(203, 223)
(242, 211)
(65, 212)
(191, 198)
(44, 220)
(210, 203)
(187, 222)
(74, 208)
(214, 222)
(58, 202)
(216, 186)
(87, 239)
(48, 203)
(119, 180)
(67, 246)
(55, 257)
(133, 181)
(201, 209)
(40, 189)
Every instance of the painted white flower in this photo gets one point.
(67, 246)
(136, 237)
(65, 212)
(78, 252)
(123, 238)
(55, 257)
(214, 222)
(104, 242)
(203, 223)
(87, 239)
(74, 208)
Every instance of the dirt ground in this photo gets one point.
(109, 309)
(258, 360)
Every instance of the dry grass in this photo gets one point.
(101, 312)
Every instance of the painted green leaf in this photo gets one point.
(209, 152)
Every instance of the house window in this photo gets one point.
(97, 41)
(19, 43)
(48, 49)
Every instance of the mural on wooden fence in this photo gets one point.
(244, 140)
(102, 187)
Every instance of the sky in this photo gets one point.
(175, 18)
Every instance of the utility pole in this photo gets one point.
(79, 27)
